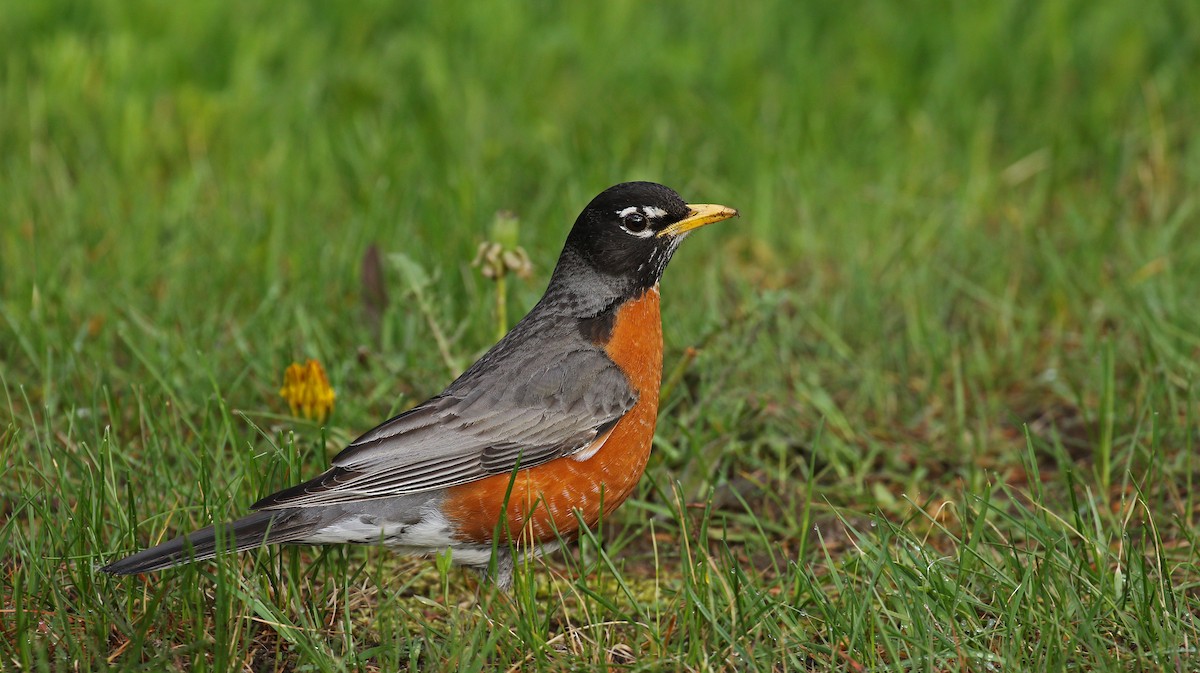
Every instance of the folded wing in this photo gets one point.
(485, 423)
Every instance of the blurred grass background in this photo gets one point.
(956, 324)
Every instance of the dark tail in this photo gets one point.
(258, 529)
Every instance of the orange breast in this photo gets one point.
(594, 481)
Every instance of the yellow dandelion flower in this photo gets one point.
(307, 390)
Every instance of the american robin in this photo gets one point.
(550, 428)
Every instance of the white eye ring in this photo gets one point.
(635, 223)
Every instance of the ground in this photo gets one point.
(931, 401)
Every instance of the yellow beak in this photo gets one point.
(702, 214)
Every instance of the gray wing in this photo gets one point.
(483, 424)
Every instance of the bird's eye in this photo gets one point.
(634, 223)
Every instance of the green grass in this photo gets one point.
(943, 414)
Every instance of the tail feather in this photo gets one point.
(255, 530)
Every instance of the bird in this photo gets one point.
(550, 430)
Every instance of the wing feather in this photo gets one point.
(483, 424)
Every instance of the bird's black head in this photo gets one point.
(629, 232)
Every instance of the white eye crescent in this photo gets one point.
(636, 221)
